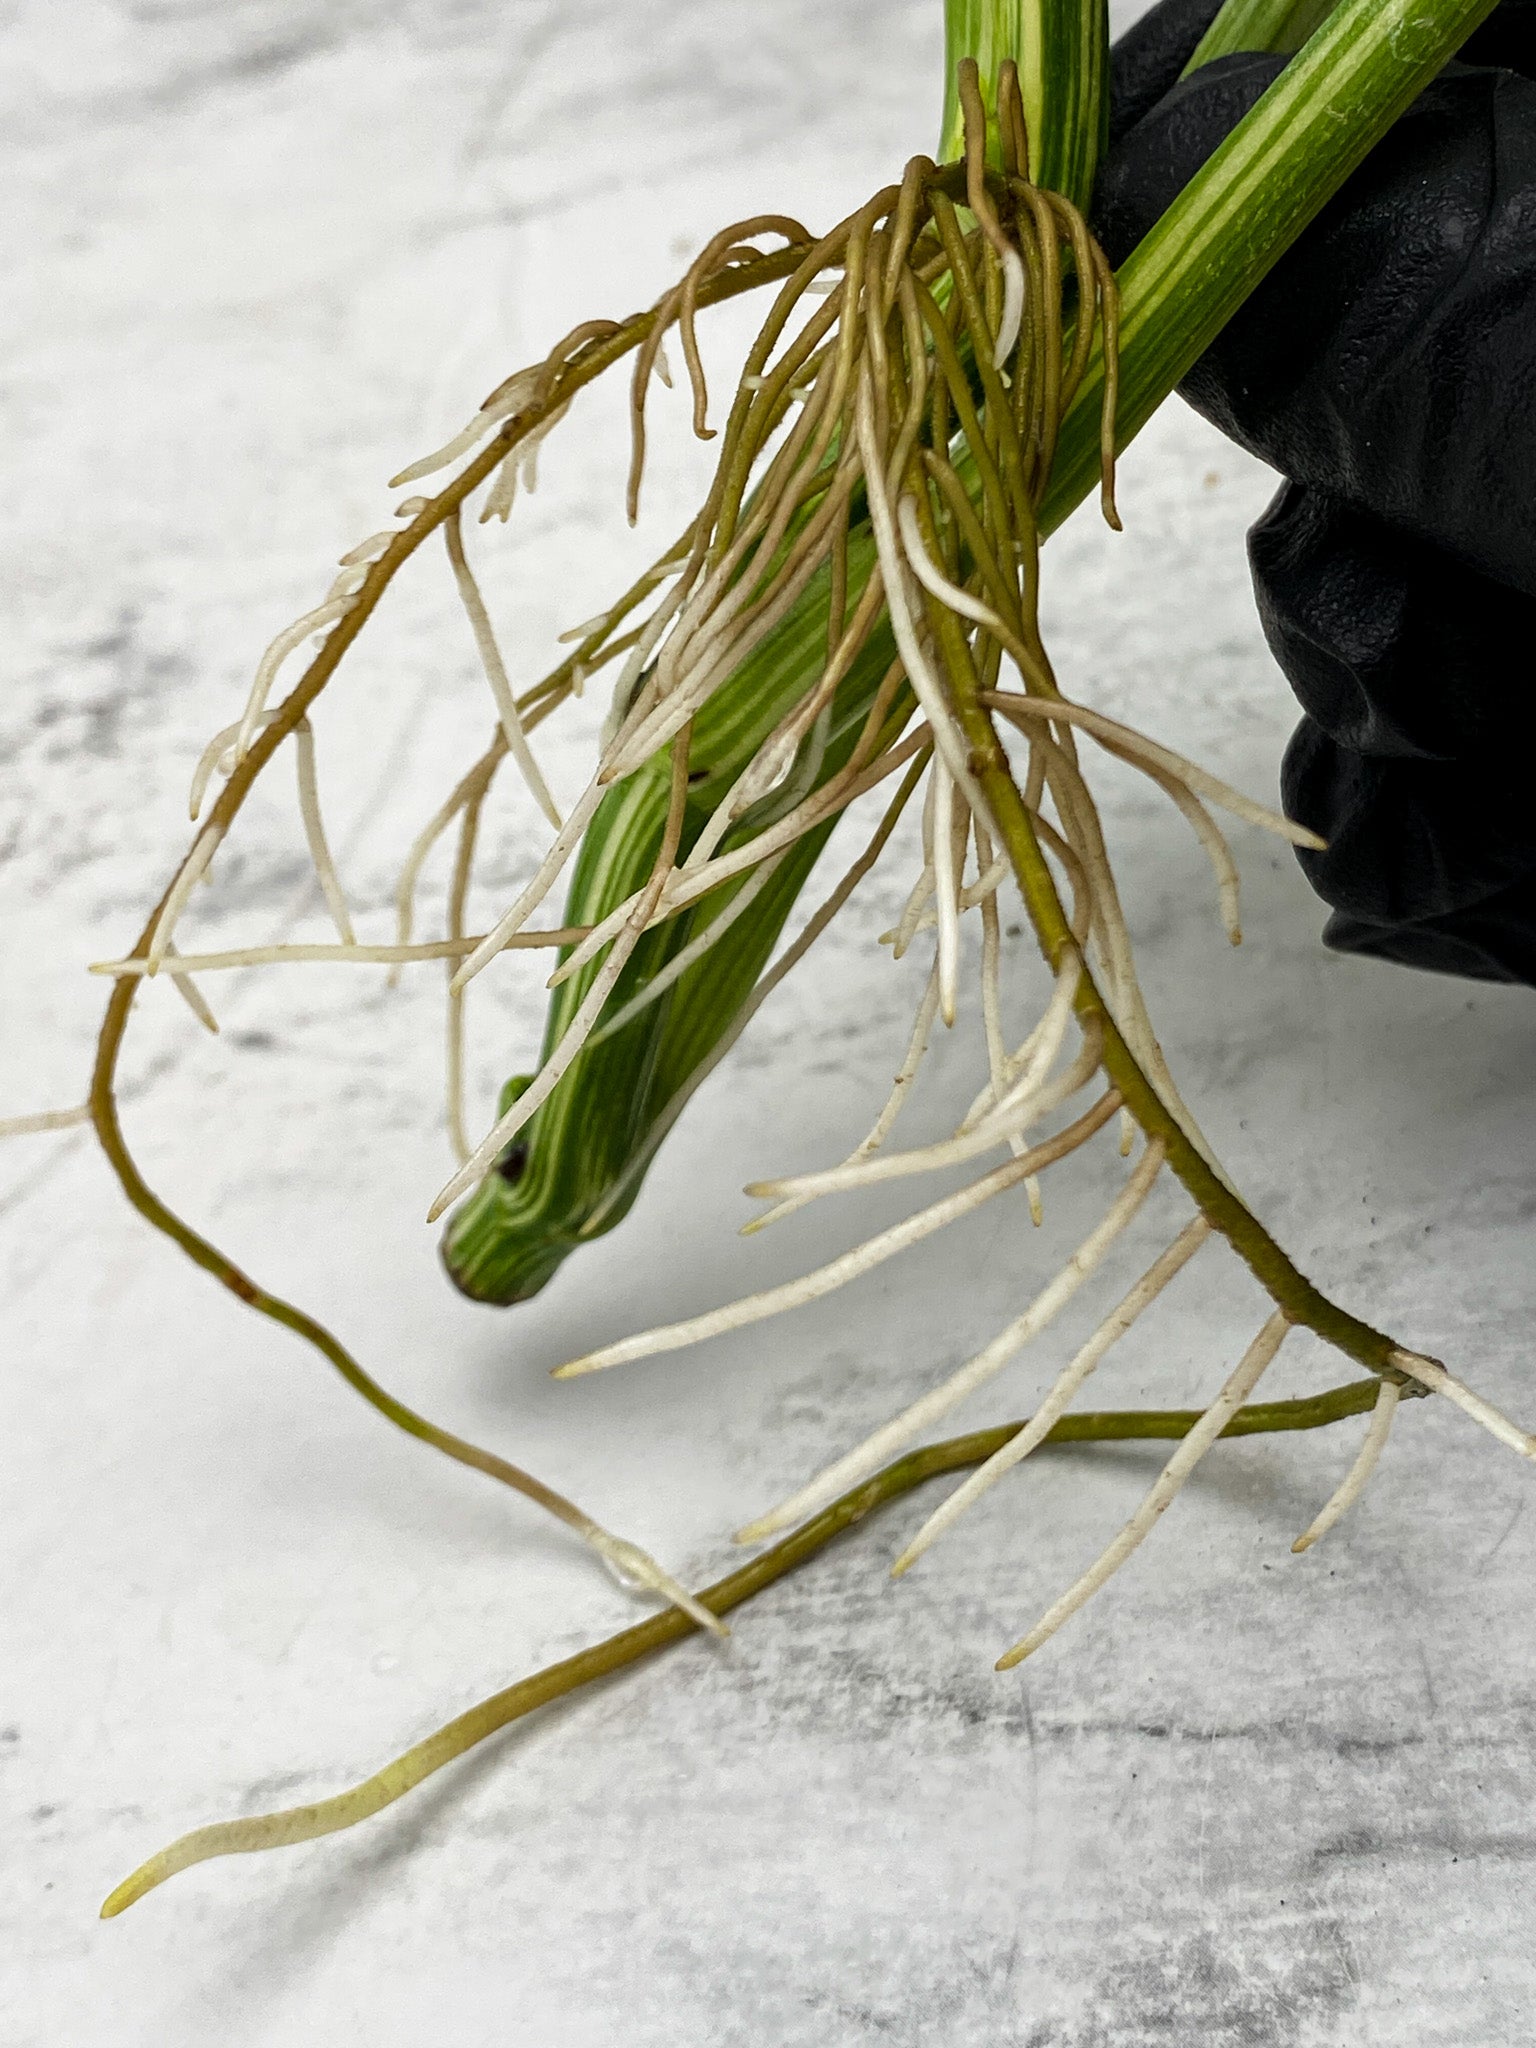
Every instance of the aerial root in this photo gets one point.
(485, 1719)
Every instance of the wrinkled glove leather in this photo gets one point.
(1387, 367)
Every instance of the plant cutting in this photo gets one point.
(853, 614)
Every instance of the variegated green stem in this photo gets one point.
(1224, 231)
(1247, 204)
(1061, 48)
(1276, 26)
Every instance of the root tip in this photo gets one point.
(129, 1892)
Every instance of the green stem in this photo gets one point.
(328, 1816)
(1061, 48)
(1273, 26)
(1247, 204)
(1223, 232)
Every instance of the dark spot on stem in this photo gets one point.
(513, 1163)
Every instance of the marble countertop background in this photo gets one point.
(257, 256)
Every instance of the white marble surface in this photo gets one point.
(256, 256)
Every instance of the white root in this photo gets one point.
(1354, 1481)
(421, 847)
(1429, 1372)
(1028, 1099)
(496, 673)
(947, 821)
(932, 577)
(314, 832)
(520, 467)
(370, 549)
(204, 846)
(41, 1120)
(277, 653)
(626, 702)
(1212, 840)
(328, 955)
(1004, 1126)
(879, 1131)
(1013, 307)
(192, 996)
(695, 949)
(790, 958)
(991, 975)
(633, 1567)
(883, 1444)
(1122, 991)
(517, 391)
(1062, 1391)
(210, 758)
(687, 885)
(217, 755)
(453, 1078)
(915, 915)
(1048, 1026)
(1136, 749)
(756, 1308)
(991, 997)
(549, 872)
(948, 738)
(986, 885)
(601, 624)
(721, 653)
(597, 938)
(1250, 1369)
(549, 1075)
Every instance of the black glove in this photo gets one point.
(1387, 367)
